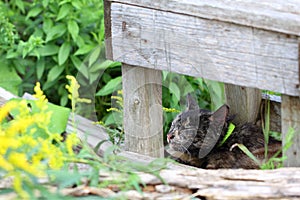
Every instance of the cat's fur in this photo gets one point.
(195, 136)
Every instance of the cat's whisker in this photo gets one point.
(186, 150)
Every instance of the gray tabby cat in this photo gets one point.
(195, 139)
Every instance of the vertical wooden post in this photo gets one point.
(143, 124)
(107, 22)
(244, 102)
(290, 117)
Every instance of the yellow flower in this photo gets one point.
(71, 141)
(172, 110)
(42, 101)
(6, 108)
(73, 92)
(19, 126)
(113, 109)
(39, 94)
(20, 161)
(73, 87)
(8, 142)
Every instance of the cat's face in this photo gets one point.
(196, 131)
(188, 130)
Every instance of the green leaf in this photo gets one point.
(64, 53)
(103, 65)
(64, 100)
(45, 3)
(77, 4)
(216, 90)
(34, 12)
(230, 130)
(56, 32)
(20, 5)
(73, 29)
(9, 78)
(64, 11)
(76, 61)
(94, 55)
(55, 72)
(110, 87)
(47, 25)
(174, 89)
(19, 66)
(48, 50)
(79, 41)
(165, 75)
(84, 50)
(11, 54)
(244, 149)
(40, 68)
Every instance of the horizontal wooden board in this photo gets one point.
(276, 15)
(211, 49)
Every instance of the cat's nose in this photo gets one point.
(170, 136)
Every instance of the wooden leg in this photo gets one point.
(290, 117)
(244, 102)
(143, 124)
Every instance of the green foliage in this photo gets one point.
(230, 130)
(46, 40)
(9, 79)
(27, 157)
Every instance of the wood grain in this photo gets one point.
(143, 124)
(290, 118)
(244, 103)
(107, 21)
(215, 50)
(275, 15)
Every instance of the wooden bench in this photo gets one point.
(248, 45)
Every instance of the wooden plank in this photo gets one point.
(276, 15)
(107, 22)
(89, 132)
(244, 102)
(143, 123)
(290, 118)
(214, 50)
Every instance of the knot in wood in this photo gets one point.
(136, 102)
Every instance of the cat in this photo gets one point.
(195, 138)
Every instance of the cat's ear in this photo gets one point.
(220, 115)
(191, 103)
(216, 124)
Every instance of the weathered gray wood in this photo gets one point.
(276, 15)
(143, 124)
(244, 102)
(290, 117)
(5, 96)
(215, 50)
(107, 21)
(275, 111)
(89, 132)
